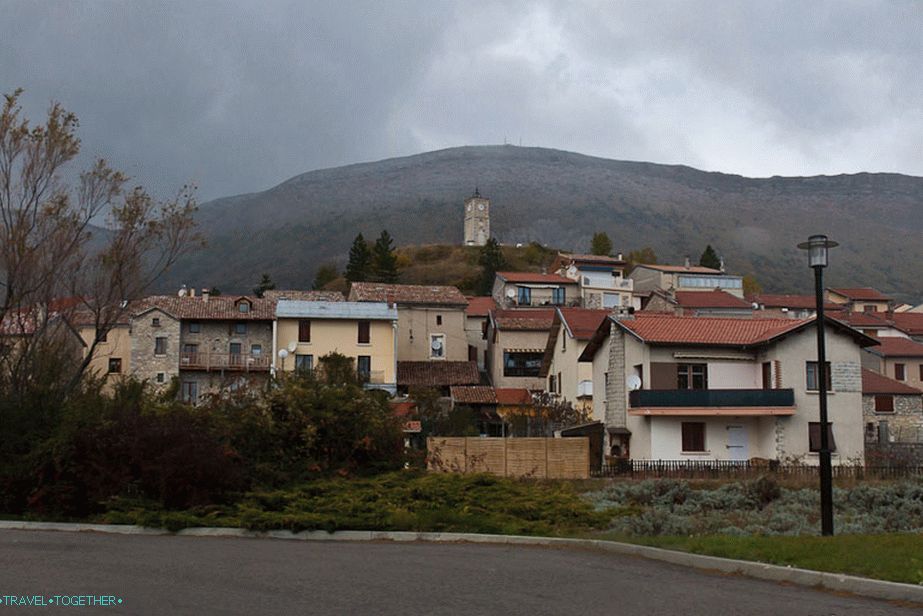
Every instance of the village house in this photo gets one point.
(493, 407)
(516, 341)
(528, 289)
(893, 411)
(862, 299)
(431, 319)
(477, 315)
(898, 358)
(437, 375)
(647, 277)
(707, 388)
(568, 378)
(602, 279)
(366, 332)
(111, 359)
(305, 296)
(714, 303)
(789, 306)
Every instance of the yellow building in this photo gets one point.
(305, 331)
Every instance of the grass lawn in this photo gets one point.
(895, 557)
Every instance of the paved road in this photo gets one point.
(198, 575)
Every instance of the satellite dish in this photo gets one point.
(511, 293)
(437, 344)
(292, 346)
(633, 382)
(283, 354)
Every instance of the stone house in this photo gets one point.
(893, 411)
(602, 280)
(529, 289)
(568, 378)
(714, 388)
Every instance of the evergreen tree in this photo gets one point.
(601, 245)
(265, 284)
(384, 261)
(491, 260)
(325, 274)
(360, 260)
(710, 258)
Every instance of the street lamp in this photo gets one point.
(282, 355)
(817, 247)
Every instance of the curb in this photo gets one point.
(866, 587)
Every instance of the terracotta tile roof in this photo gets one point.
(892, 346)
(24, 321)
(533, 277)
(681, 269)
(909, 322)
(507, 396)
(307, 296)
(591, 259)
(863, 319)
(524, 320)
(513, 396)
(874, 383)
(862, 294)
(718, 331)
(403, 408)
(583, 322)
(437, 373)
(480, 306)
(710, 299)
(406, 294)
(222, 307)
(800, 302)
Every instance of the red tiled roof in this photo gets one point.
(222, 307)
(709, 299)
(867, 294)
(513, 396)
(909, 322)
(475, 394)
(527, 277)
(305, 296)
(437, 373)
(406, 294)
(524, 320)
(681, 269)
(800, 302)
(863, 319)
(718, 331)
(892, 346)
(403, 408)
(583, 322)
(874, 383)
(480, 306)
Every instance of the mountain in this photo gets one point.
(560, 199)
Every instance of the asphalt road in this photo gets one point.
(198, 575)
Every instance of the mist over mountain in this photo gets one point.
(560, 199)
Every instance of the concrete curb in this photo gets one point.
(866, 587)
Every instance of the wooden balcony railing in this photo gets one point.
(224, 361)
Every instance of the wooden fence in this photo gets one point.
(551, 458)
(716, 469)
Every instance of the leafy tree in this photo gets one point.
(710, 258)
(360, 261)
(265, 284)
(384, 261)
(601, 245)
(325, 274)
(751, 285)
(645, 255)
(491, 261)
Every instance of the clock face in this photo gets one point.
(481, 206)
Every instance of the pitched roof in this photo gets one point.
(437, 373)
(524, 319)
(874, 383)
(864, 319)
(801, 302)
(377, 311)
(308, 296)
(480, 306)
(909, 322)
(222, 307)
(867, 294)
(582, 322)
(893, 346)
(536, 278)
(406, 294)
(484, 394)
(715, 298)
(680, 269)
(512, 396)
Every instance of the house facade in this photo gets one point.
(893, 411)
(571, 380)
(647, 277)
(530, 290)
(477, 316)
(861, 299)
(516, 342)
(897, 358)
(601, 279)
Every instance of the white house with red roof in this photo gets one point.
(898, 358)
(568, 378)
(602, 280)
(860, 299)
(532, 289)
(713, 388)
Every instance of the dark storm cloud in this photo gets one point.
(237, 97)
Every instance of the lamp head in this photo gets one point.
(817, 247)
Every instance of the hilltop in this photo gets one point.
(560, 199)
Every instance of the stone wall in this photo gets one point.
(846, 376)
(904, 425)
(215, 338)
(145, 364)
(616, 396)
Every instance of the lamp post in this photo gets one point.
(817, 247)
(282, 355)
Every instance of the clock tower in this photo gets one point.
(477, 219)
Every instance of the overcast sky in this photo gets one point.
(237, 97)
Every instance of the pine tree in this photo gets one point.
(265, 284)
(491, 260)
(601, 245)
(710, 258)
(360, 260)
(384, 261)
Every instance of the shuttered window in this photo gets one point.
(814, 436)
(304, 331)
(693, 436)
(364, 332)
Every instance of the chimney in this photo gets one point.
(191, 292)
(619, 257)
(687, 264)
(205, 295)
(721, 267)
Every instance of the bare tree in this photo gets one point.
(547, 413)
(70, 251)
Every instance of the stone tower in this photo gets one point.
(477, 219)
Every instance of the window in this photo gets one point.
(525, 296)
(814, 436)
(921, 372)
(364, 332)
(551, 384)
(884, 403)
(559, 382)
(190, 353)
(811, 382)
(304, 331)
(256, 350)
(868, 308)
(304, 363)
(558, 296)
(195, 327)
(115, 365)
(438, 319)
(155, 322)
(190, 392)
(240, 327)
(364, 368)
(243, 307)
(102, 335)
(692, 376)
(563, 340)
(160, 345)
(900, 372)
(161, 377)
(693, 436)
(767, 375)
(437, 346)
(235, 348)
(522, 363)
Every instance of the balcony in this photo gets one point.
(237, 362)
(712, 402)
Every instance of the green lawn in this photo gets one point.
(895, 557)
